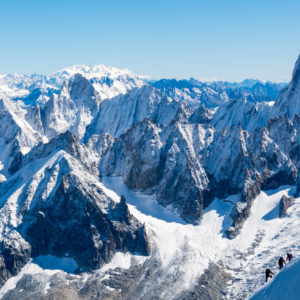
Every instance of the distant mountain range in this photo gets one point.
(216, 93)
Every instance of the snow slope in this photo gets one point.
(285, 285)
(185, 251)
(189, 249)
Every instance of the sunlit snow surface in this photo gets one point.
(185, 250)
(145, 204)
(180, 246)
(284, 286)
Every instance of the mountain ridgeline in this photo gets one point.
(185, 142)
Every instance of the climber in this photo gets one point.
(268, 274)
(289, 256)
(281, 261)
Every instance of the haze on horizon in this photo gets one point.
(225, 40)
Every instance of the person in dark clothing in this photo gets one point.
(268, 274)
(289, 256)
(281, 261)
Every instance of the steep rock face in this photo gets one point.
(202, 115)
(228, 161)
(284, 204)
(152, 158)
(133, 154)
(241, 112)
(117, 115)
(56, 206)
(182, 174)
(15, 130)
(33, 117)
(65, 141)
(289, 100)
(52, 202)
(14, 254)
(74, 223)
(73, 109)
(187, 165)
(17, 133)
(244, 163)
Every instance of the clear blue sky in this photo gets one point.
(227, 39)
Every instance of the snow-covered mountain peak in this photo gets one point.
(94, 71)
(79, 87)
(108, 81)
(67, 142)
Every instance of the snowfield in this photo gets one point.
(264, 237)
(185, 250)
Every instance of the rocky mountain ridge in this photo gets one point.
(92, 122)
(53, 204)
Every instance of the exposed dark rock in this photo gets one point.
(242, 209)
(283, 177)
(15, 252)
(79, 86)
(16, 163)
(74, 223)
(284, 204)
(297, 193)
(33, 116)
